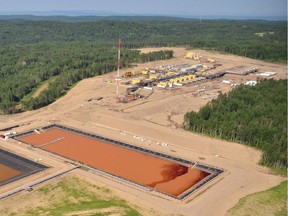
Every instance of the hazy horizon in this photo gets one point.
(181, 8)
(111, 14)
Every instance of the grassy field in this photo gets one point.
(270, 202)
(70, 196)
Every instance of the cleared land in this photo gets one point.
(39, 90)
(158, 118)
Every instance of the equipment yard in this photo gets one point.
(148, 125)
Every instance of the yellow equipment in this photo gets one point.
(190, 55)
(153, 77)
(186, 78)
(136, 73)
(211, 60)
(171, 73)
(136, 81)
(144, 72)
(172, 80)
(191, 76)
(128, 74)
(162, 84)
(177, 80)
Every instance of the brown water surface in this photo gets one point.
(163, 175)
(7, 172)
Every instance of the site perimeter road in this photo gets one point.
(156, 119)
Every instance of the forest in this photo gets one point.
(70, 49)
(27, 66)
(252, 115)
(232, 36)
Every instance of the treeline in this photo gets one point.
(24, 67)
(255, 116)
(236, 37)
(155, 56)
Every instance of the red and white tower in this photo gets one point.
(118, 73)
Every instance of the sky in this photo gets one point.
(252, 8)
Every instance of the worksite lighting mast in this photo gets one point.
(118, 73)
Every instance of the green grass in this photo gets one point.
(72, 195)
(279, 171)
(270, 202)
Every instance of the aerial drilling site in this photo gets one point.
(124, 130)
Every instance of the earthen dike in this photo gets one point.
(152, 170)
(14, 167)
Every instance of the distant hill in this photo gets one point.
(77, 16)
(89, 18)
